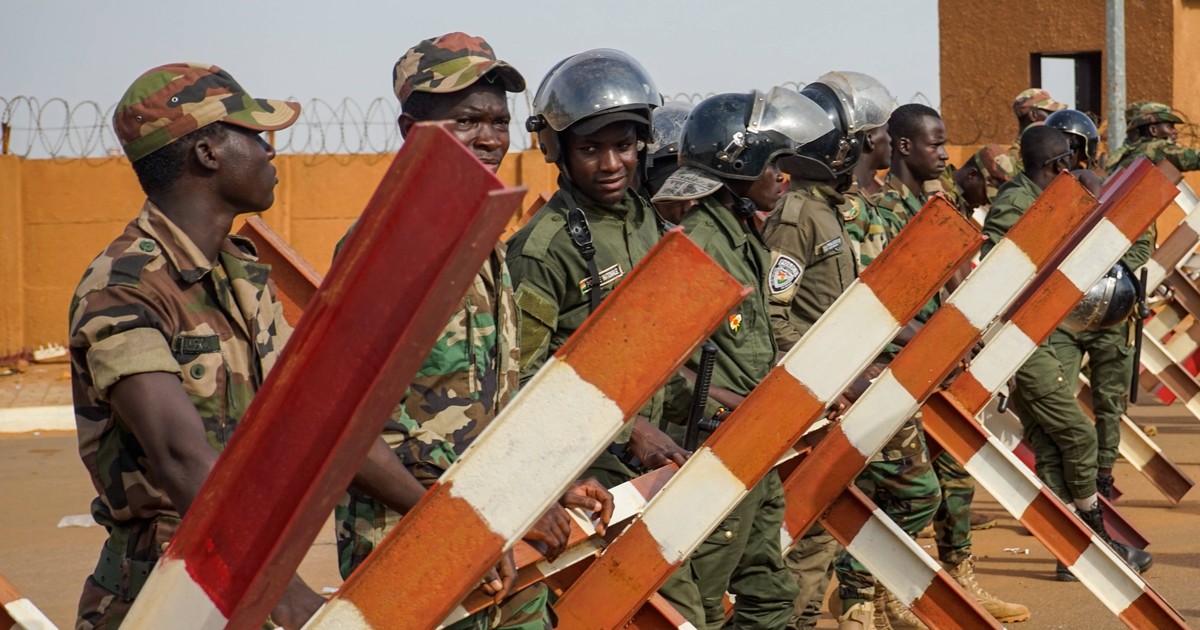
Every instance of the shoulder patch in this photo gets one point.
(832, 245)
(784, 274)
(852, 208)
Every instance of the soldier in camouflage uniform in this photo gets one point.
(1152, 129)
(972, 186)
(472, 371)
(1031, 107)
(1063, 439)
(815, 258)
(174, 326)
(938, 491)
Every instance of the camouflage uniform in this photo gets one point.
(1062, 437)
(864, 225)
(152, 302)
(552, 286)
(743, 554)
(472, 371)
(1023, 103)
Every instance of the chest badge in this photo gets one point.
(735, 322)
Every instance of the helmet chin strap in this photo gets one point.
(743, 208)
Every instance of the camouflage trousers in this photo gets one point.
(811, 561)
(1110, 368)
(907, 491)
(1062, 437)
(952, 521)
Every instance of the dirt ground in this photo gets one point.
(43, 481)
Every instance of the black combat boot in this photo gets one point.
(1136, 558)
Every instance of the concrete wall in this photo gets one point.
(985, 50)
(57, 215)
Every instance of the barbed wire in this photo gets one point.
(56, 128)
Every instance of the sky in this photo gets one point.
(90, 50)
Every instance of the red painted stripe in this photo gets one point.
(1044, 515)
(1048, 306)
(1151, 611)
(1153, 187)
(313, 420)
(902, 284)
(1064, 203)
(637, 317)
(592, 608)
(820, 478)
(921, 372)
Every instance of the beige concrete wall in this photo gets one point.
(57, 215)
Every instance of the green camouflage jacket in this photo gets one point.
(813, 259)
(465, 381)
(897, 205)
(1156, 150)
(864, 224)
(152, 302)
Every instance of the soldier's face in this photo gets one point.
(765, 190)
(477, 116)
(926, 156)
(247, 177)
(603, 163)
(1164, 130)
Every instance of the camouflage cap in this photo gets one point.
(687, 183)
(1148, 113)
(995, 163)
(449, 63)
(1035, 98)
(171, 101)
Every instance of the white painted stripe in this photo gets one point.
(27, 616)
(1135, 446)
(627, 501)
(458, 614)
(823, 361)
(692, 504)
(1001, 357)
(1155, 274)
(1005, 427)
(1107, 577)
(339, 614)
(1005, 477)
(523, 460)
(1187, 201)
(1100, 249)
(572, 555)
(994, 284)
(27, 419)
(893, 558)
(686, 625)
(1154, 356)
(172, 599)
(785, 538)
(878, 414)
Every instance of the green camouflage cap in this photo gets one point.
(995, 163)
(171, 101)
(1148, 113)
(1035, 97)
(449, 63)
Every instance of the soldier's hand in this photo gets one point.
(298, 604)
(653, 447)
(551, 532)
(498, 581)
(592, 497)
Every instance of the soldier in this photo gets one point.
(814, 262)
(975, 183)
(1031, 107)
(1109, 349)
(727, 149)
(1063, 439)
(471, 373)
(1153, 134)
(592, 116)
(662, 159)
(940, 490)
(175, 325)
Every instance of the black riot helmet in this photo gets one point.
(737, 136)
(1107, 303)
(662, 154)
(1081, 132)
(599, 86)
(854, 103)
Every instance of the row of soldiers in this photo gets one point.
(175, 325)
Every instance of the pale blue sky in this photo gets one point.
(91, 49)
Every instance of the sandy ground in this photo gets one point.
(43, 481)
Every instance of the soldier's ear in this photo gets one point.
(406, 122)
(903, 145)
(205, 151)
